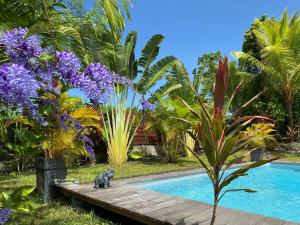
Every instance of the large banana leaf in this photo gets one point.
(115, 16)
(129, 55)
(150, 51)
(156, 72)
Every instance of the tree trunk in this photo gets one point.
(213, 218)
(289, 106)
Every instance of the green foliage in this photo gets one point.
(204, 74)
(163, 121)
(19, 13)
(279, 56)
(115, 17)
(150, 51)
(156, 72)
(18, 200)
(177, 84)
(252, 47)
(25, 144)
(136, 154)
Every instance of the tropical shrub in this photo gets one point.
(172, 146)
(8, 117)
(121, 120)
(292, 134)
(263, 137)
(220, 136)
(171, 131)
(24, 145)
(14, 203)
(119, 127)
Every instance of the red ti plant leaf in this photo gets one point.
(221, 85)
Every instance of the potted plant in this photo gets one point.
(258, 144)
(62, 142)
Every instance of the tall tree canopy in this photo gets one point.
(280, 56)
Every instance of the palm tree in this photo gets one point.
(280, 56)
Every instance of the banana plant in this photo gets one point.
(220, 136)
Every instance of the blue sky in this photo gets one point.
(194, 27)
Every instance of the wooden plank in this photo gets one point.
(289, 223)
(224, 216)
(166, 203)
(190, 209)
(266, 221)
(185, 209)
(146, 202)
(245, 218)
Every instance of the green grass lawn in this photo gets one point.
(59, 213)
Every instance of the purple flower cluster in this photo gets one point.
(5, 215)
(146, 105)
(87, 86)
(88, 143)
(18, 86)
(90, 151)
(19, 48)
(105, 79)
(102, 77)
(68, 65)
(117, 79)
(65, 118)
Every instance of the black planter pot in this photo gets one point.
(257, 155)
(46, 171)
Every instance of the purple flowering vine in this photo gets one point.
(146, 105)
(18, 86)
(25, 77)
(19, 48)
(73, 122)
(88, 144)
(105, 79)
(68, 65)
(4, 215)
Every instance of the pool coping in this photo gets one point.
(181, 173)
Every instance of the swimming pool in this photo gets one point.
(277, 186)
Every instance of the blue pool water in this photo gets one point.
(277, 186)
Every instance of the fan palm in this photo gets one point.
(280, 56)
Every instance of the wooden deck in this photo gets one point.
(154, 208)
